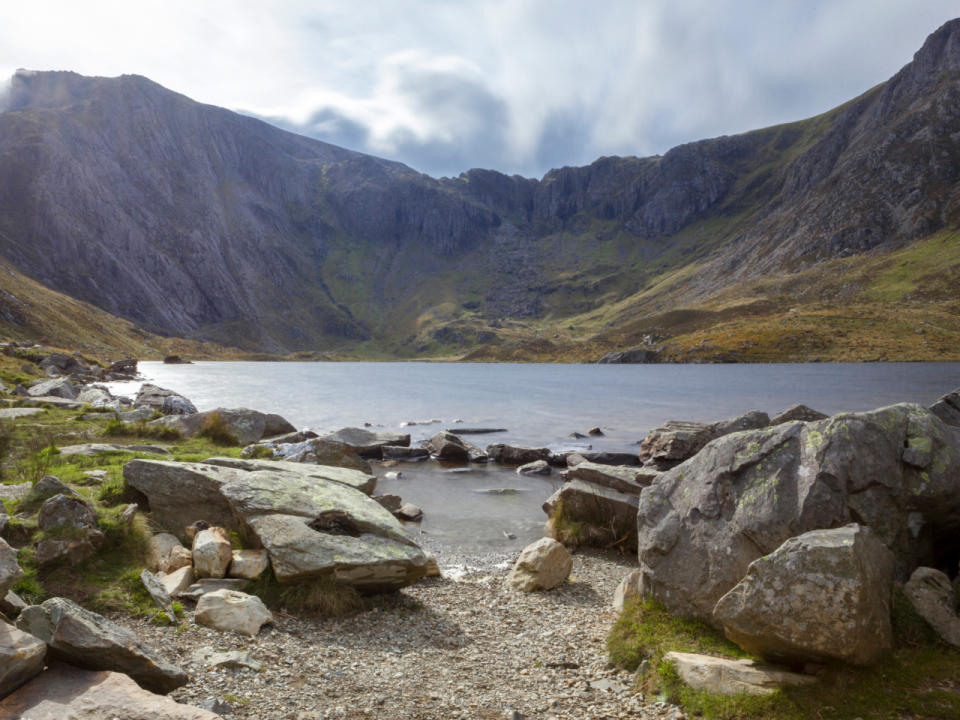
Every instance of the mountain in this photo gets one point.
(190, 220)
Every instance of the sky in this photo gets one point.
(520, 86)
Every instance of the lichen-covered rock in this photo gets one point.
(823, 596)
(164, 401)
(234, 611)
(64, 692)
(677, 440)
(21, 657)
(700, 525)
(726, 676)
(244, 425)
(62, 511)
(363, 481)
(89, 640)
(542, 565)
(797, 412)
(935, 600)
(212, 553)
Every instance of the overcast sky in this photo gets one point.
(520, 86)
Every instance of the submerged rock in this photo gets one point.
(367, 443)
(513, 455)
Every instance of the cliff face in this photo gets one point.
(192, 220)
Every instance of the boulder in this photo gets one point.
(321, 451)
(542, 565)
(64, 692)
(91, 449)
(450, 448)
(602, 458)
(229, 610)
(365, 482)
(63, 511)
(158, 593)
(212, 553)
(84, 638)
(11, 604)
(62, 364)
(21, 657)
(667, 446)
(599, 515)
(368, 444)
(45, 488)
(512, 455)
(309, 526)
(409, 512)
(630, 586)
(389, 501)
(405, 454)
(935, 600)
(4, 518)
(97, 396)
(125, 369)
(947, 408)
(158, 551)
(57, 387)
(10, 570)
(625, 479)
(823, 596)
(538, 467)
(245, 425)
(725, 676)
(797, 412)
(141, 414)
(164, 401)
(701, 524)
(177, 581)
(249, 564)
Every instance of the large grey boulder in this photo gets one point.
(701, 524)
(934, 599)
(947, 408)
(64, 692)
(98, 396)
(625, 479)
(797, 412)
(57, 387)
(450, 448)
(367, 443)
(164, 401)
(89, 640)
(582, 513)
(247, 426)
(317, 451)
(21, 657)
(666, 446)
(10, 570)
(823, 596)
(310, 526)
(62, 511)
(513, 455)
(357, 479)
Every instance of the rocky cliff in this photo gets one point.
(195, 221)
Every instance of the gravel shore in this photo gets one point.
(461, 646)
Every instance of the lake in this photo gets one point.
(537, 404)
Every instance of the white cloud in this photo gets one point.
(518, 85)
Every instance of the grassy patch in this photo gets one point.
(116, 428)
(920, 679)
(323, 597)
(593, 527)
(215, 429)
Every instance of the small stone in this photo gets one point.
(542, 565)
(230, 610)
(248, 564)
(212, 553)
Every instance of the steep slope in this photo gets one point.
(196, 221)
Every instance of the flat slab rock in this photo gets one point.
(362, 481)
(726, 676)
(91, 449)
(367, 443)
(65, 692)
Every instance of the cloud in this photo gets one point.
(517, 85)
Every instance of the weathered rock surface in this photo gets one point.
(229, 610)
(406, 454)
(321, 451)
(45, 488)
(947, 408)
(164, 401)
(935, 600)
(309, 525)
(606, 516)
(823, 596)
(630, 586)
(676, 441)
(84, 638)
(367, 443)
(97, 396)
(701, 524)
(249, 564)
(450, 448)
(159, 548)
(601, 458)
(67, 551)
(64, 692)
(57, 387)
(797, 412)
(537, 467)
(212, 553)
(208, 585)
(21, 657)
(409, 513)
(176, 581)
(513, 455)
(365, 482)
(625, 479)
(245, 425)
(10, 570)
(62, 511)
(158, 592)
(542, 565)
(726, 676)
(91, 449)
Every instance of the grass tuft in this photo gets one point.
(216, 431)
(322, 597)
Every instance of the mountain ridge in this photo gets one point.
(191, 220)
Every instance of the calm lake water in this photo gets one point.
(538, 405)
